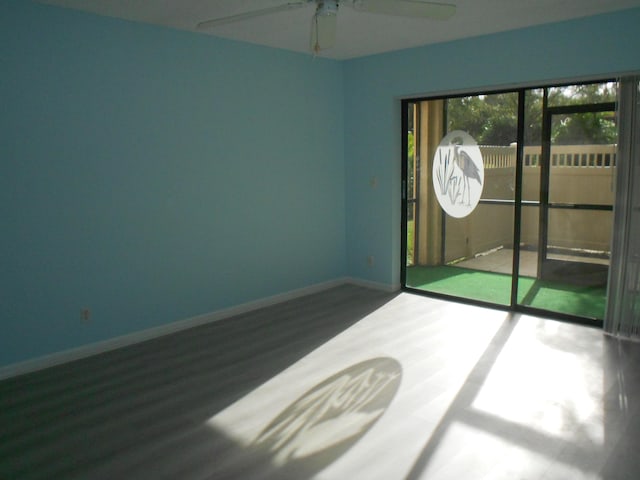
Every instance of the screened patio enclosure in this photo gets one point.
(508, 197)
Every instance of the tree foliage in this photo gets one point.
(490, 119)
(493, 119)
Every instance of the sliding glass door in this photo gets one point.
(508, 197)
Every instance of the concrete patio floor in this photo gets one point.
(501, 261)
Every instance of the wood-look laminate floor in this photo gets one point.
(345, 384)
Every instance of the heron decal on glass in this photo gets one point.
(458, 174)
(470, 170)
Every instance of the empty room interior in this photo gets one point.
(366, 239)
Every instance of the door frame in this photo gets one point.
(518, 201)
(547, 267)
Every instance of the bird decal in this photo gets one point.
(457, 165)
(469, 170)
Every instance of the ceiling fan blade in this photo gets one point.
(251, 14)
(406, 8)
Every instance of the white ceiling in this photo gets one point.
(359, 34)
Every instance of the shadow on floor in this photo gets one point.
(142, 411)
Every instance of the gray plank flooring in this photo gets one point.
(344, 384)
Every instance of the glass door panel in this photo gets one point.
(460, 182)
(575, 211)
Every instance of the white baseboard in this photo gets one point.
(385, 287)
(88, 350)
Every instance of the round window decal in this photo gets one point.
(458, 174)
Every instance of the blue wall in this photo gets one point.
(152, 175)
(595, 46)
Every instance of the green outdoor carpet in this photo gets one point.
(588, 302)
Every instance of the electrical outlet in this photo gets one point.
(370, 260)
(85, 315)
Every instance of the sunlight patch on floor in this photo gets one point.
(432, 358)
(474, 390)
(540, 381)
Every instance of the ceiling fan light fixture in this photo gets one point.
(327, 8)
(325, 23)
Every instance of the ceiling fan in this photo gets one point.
(324, 20)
